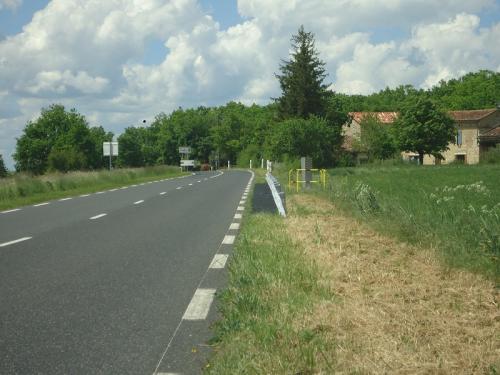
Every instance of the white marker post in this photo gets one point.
(250, 163)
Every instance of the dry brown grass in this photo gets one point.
(398, 309)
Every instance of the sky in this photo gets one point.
(119, 62)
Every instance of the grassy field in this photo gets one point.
(453, 209)
(322, 292)
(23, 189)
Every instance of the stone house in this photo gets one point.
(477, 131)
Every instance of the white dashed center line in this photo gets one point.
(97, 216)
(179, 187)
(200, 305)
(163, 193)
(139, 202)
(41, 204)
(15, 241)
(219, 261)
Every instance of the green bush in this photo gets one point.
(492, 156)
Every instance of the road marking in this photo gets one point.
(139, 202)
(237, 216)
(234, 226)
(134, 185)
(84, 195)
(65, 199)
(179, 187)
(123, 188)
(219, 261)
(97, 216)
(228, 239)
(113, 190)
(15, 241)
(198, 181)
(243, 201)
(100, 192)
(205, 179)
(41, 204)
(190, 184)
(8, 211)
(240, 208)
(200, 305)
(163, 193)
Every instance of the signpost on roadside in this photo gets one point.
(185, 151)
(110, 149)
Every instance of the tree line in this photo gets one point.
(306, 119)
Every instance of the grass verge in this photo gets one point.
(323, 293)
(454, 209)
(23, 190)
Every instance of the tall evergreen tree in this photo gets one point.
(3, 170)
(301, 79)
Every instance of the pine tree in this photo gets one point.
(3, 170)
(301, 79)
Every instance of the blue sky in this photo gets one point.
(120, 61)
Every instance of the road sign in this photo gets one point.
(110, 148)
(187, 163)
(184, 150)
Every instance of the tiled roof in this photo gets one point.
(383, 117)
(492, 133)
(473, 115)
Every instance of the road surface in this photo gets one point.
(101, 283)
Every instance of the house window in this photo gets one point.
(460, 159)
(459, 137)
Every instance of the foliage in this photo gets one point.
(64, 160)
(58, 129)
(423, 128)
(475, 90)
(313, 137)
(3, 169)
(301, 79)
(377, 140)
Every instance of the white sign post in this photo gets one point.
(187, 163)
(185, 151)
(110, 149)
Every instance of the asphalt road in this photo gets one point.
(99, 284)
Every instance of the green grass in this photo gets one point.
(455, 209)
(22, 189)
(272, 286)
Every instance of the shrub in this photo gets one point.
(492, 156)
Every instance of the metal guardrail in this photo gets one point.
(278, 193)
(322, 176)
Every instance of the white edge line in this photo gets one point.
(15, 241)
(200, 304)
(228, 239)
(219, 261)
(41, 204)
(65, 199)
(234, 226)
(8, 211)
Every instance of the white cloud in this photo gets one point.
(10, 4)
(88, 54)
